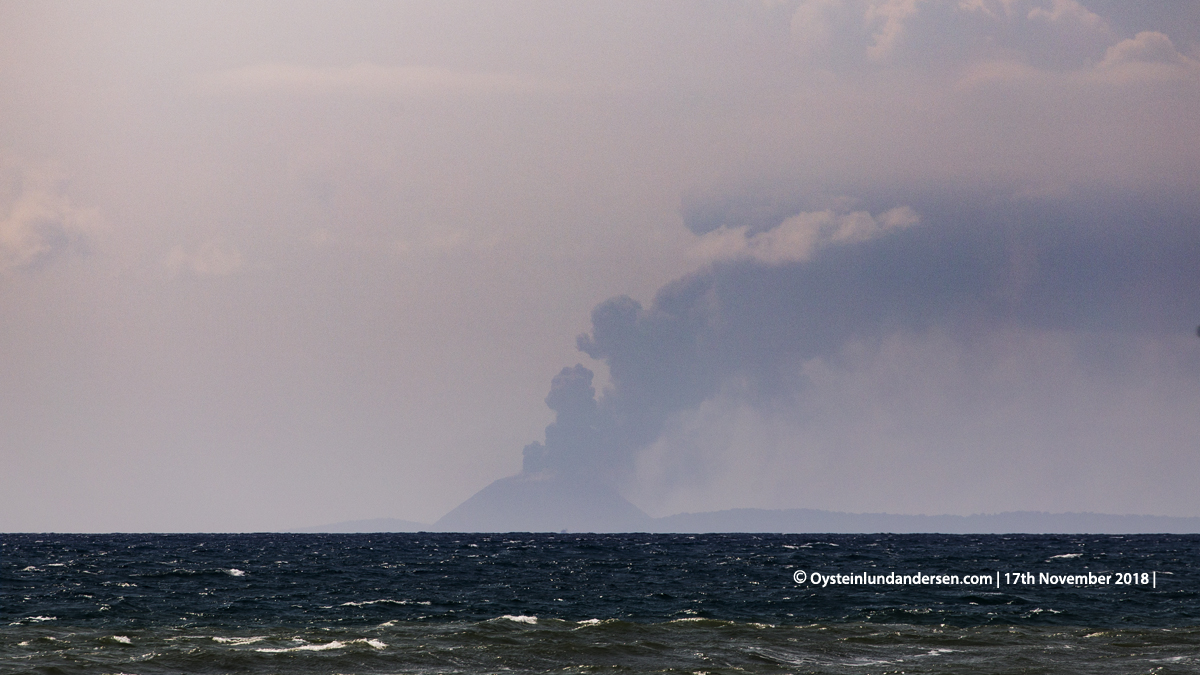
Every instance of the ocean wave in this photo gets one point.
(384, 601)
(336, 644)
(520, 618)
(240, 640)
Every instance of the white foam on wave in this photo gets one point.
(303, 648)
(30, 568)
(385, 601)
(240, 640)
(122, 639)
(336, 644)
(235, 572)
(1066, 555)
(39, 618)
(520, 618)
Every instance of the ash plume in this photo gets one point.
(1107, 268)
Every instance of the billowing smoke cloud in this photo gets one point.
(973, 267)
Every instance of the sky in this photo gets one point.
(269, 265)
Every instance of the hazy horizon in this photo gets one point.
(273, 265)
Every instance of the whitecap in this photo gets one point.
(40, 618)
(336, 644)
(375, 602)
(30, 568)
(520, 618)
(1065, 555)
(240, 640)
(234, 572)
(122, 639)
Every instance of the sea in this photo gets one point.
(599, 603)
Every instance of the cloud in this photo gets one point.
(1149, 55)
(216, 257)
(888, 20)
(1017, 418)
(368, 79)
(42, 224)
(796, 238)
(1067, 12)
(941, 33)
(820, 282)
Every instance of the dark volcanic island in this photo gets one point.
(562, 484)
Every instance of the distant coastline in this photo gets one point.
(799, 521)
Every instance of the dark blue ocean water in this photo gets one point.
(432, 603)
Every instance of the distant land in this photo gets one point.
(800, 521)
(544, 501)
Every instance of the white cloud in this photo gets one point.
(889, 17)
(41, 224)
(796, 238)
(1067, 12)
(848, 33)
(1149, 55)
